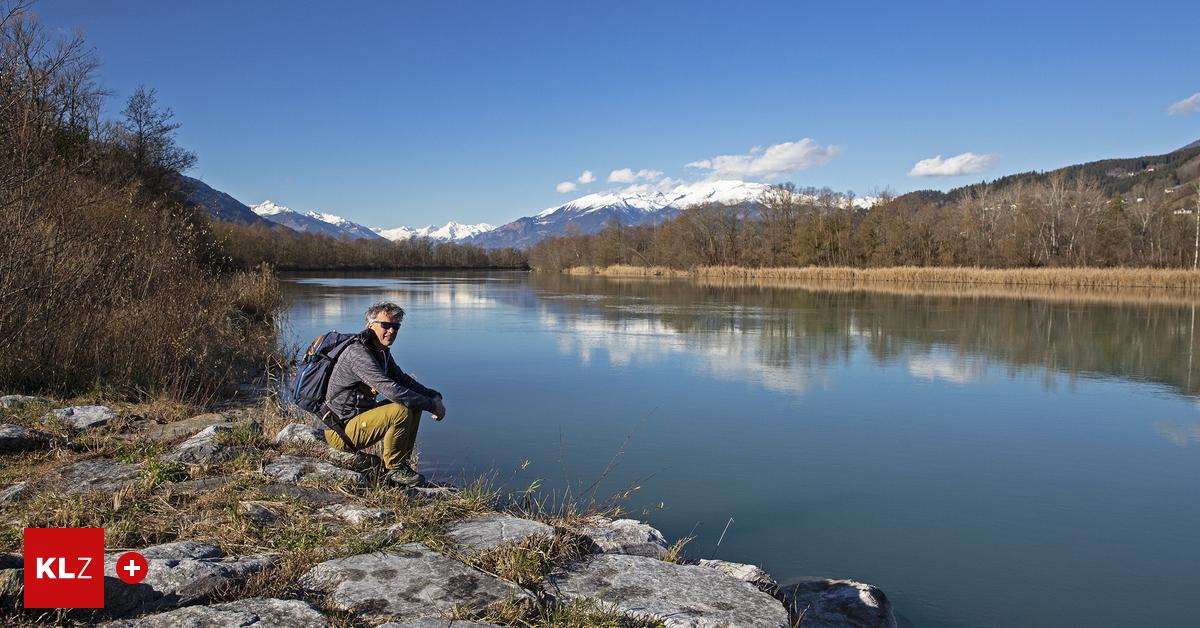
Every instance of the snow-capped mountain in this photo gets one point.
(450, 232)
(313, 222)
(632, 207)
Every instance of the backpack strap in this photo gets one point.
(334, 422)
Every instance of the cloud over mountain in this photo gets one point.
(966, 163)
(1191, 104)
(774, 161)
(627, 175)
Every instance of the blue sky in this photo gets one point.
(411, 113)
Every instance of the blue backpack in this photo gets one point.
(312, 376)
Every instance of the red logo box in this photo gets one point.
(64, 567)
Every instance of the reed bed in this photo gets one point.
(1142, 278)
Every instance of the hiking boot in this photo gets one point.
(404, 476)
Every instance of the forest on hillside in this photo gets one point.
(1066, 218)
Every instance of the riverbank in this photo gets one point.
(1091, 278)
(242, 509)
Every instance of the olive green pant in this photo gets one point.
(394, 424)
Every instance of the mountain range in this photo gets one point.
(650, 203)
(636, 206)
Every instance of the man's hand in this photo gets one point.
(439, 412)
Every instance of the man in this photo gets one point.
(364, 369)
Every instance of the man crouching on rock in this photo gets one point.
(364, 369)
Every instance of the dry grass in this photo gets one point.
(1088, 285)
(1158, 278)
(531, 614)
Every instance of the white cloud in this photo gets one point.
(564, 187)
(966, 163)
(1191, 104)
(627, 175)
(773, 161)
(586, 177)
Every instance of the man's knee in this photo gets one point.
(398, 414)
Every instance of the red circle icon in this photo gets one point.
(132, 567)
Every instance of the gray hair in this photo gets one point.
(395, 312)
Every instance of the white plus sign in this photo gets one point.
(132, 568)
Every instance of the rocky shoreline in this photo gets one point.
(264, 525)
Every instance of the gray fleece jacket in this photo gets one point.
(361, 367)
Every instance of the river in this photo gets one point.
(986, 460)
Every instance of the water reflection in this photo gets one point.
(783, 336)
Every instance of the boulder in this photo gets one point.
(432, 492)
(677, 595)
(16, 401)
(626, 536)
(12, 580)
(205, 448)
(355, 515)
(17, 438)
(361, 461)
(15, 493)
(98, 474)
(840, 604)
(751, 574)
(257, 612)
(487, 531)
(311, 496)
(168, 432)
(407, 582)
(179, 574)
(260, 512)
(302, 470)
(83, 417)
(300, 434)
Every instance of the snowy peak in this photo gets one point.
(313, 222)
(651, 198)
(450, 232)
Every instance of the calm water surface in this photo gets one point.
(985, 461)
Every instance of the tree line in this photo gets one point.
(247, 246)
(1064, 219)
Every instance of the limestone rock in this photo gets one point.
(432, 492)
(16, 438)
(746, 573)
(678, 595)
(83, 417)
(16, 401)
(179, 574)
(15, 493)
(204, 448)
(840, 604)
(12, 580)
(355, 515)
(311, 496)
(302, 470)
(98, 474)
(299, 434)
(180, 550)
(361, 461)
(257, 612)
(407, 582)
(167, 432)
(260, 512)
(493, 529)
(626, 536)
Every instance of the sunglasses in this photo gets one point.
(387, 326)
